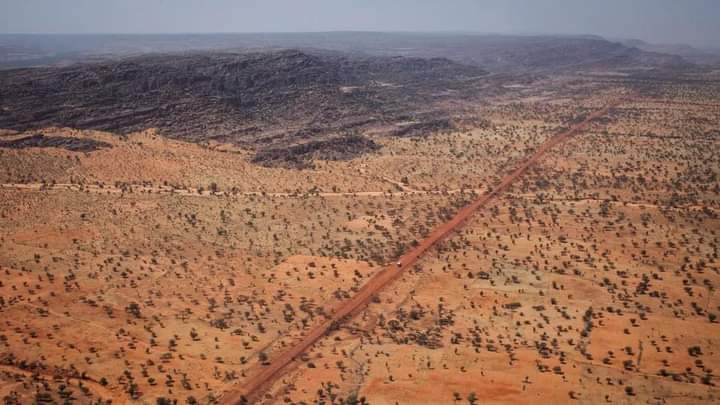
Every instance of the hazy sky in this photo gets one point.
(690, 21)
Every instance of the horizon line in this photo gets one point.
(610, 38)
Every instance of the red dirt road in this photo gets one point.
(252, 388)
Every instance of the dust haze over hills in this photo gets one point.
(499, 52)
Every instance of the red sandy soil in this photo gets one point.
(253, 386)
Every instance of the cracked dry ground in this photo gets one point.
(592, 280)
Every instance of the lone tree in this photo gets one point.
(133, 309)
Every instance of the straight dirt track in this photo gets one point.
(252, 388)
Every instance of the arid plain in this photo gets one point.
(152, 270)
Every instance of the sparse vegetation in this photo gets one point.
(162, 271)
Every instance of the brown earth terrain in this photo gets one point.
(140, 266)
(381, 280)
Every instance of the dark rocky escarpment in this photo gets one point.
(300, 156)
(423, 127)
(42, 141)
(262, 100)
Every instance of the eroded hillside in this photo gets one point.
(266, 100)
